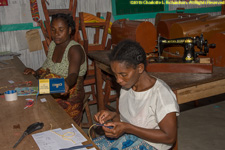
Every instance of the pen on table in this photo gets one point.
(77, 147)
(73, 126)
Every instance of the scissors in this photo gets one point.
(33, 127)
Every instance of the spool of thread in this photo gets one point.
(10, 95)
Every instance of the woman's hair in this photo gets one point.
(68, 19)
(129, 52)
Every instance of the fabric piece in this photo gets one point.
(89, 18)
(62, 68)
(3, 2)
(125, 142)
(71, 103)
(34, 10)
(146, 109)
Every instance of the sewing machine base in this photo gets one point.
(176, 65)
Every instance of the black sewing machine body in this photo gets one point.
(188, 43)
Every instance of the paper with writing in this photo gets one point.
(54, 140)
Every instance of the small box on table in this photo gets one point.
(54, 85)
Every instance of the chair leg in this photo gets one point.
(109, 44)
(107, 90)
(89, 118)
(88, 115)
(93, 93)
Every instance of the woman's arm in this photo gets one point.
(166, 134)
(76, 57)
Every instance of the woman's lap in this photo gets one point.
(125, 142)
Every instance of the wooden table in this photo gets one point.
(14, 119)
(187, 86)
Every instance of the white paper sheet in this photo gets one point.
(21, 40)
(50, 140)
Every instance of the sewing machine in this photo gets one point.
(188, 63)
(188, 43)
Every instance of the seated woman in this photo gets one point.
(66, 58)
(147, 106)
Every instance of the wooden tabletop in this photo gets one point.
(187, 86)
(14, 119)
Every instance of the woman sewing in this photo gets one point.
(147, 106)
(66, 58)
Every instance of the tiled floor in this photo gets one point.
(200, 127)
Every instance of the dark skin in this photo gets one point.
(139, 80)
(61, 36)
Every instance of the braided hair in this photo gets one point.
(129, 52)
(68, 19)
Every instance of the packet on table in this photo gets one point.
(54, 85)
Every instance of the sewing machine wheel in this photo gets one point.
(200, 41)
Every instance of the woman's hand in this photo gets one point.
(29, 71)
(66, 89)
(117, 130)
(104, 115)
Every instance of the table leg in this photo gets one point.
(99, 82)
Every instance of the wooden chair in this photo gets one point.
(85, 23)
(45, 26)
(89, 122)
(90, 80)
(90, 77)
(98, 26)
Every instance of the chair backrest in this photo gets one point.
(45, 26)
(91, 21)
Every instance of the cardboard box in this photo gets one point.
(54, 85)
